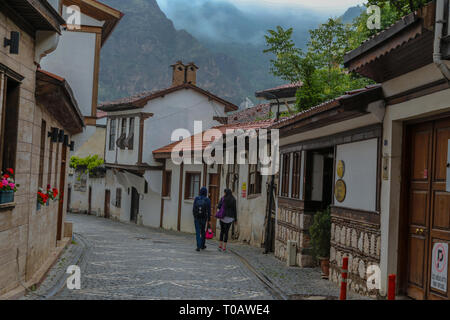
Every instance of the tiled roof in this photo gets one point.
(250, 114)
(140, 100)
(327, 105)
(188, 143)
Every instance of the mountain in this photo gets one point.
(224, 41)
(352, 13)
(139, 52)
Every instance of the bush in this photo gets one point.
(320, 232)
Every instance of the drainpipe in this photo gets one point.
(439, 27)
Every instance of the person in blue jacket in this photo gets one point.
(202, 214)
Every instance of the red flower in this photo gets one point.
(48, 187)
(6, 176)
(10, 170)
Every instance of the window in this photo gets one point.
(118, 197)
(130, 139)
(112, 134)
(10, 123)
(145, 187)
(42, 154)
(167, 183)
(254, 178)
(192, 186)
(56, 166)
(296, 167)
(285, 175)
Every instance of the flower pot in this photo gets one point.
(325, 266)
(6, 196)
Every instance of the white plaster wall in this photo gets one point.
(170, 218)
(360, 174)
(177, 110)
(79, 49)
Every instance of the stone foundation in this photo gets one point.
(360, 242)
(293, 224)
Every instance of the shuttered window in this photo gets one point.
(192, 186)
(167, 183)
(118, 197)
(254, 179)
(296, 167)
(285, 175)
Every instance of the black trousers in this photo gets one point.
(224, 230)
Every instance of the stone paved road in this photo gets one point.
(131, 262)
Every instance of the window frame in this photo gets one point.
(256, 187)
(167, 184)
(118, 202)
(188, 194)
(285, 174)
(112, 134)
(43, 139)
(130, 133)
(296, 174)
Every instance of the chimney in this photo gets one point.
(179, 73)
(191, 73)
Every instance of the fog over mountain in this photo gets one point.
(224, 40)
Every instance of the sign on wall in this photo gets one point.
(340, 170)
(448, 167)
(439, 268)
(244, 190)
(340, 190)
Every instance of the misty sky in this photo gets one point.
(327, 7)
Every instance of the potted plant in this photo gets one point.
(320, 232)
(7, 186)
(42, 198)
(52, 194)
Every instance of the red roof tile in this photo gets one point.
(250, 114)
(188, 143)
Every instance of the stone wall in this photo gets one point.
(361, 242)
(27, 236)
(293, 224)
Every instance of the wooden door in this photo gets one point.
(418, 208)
(214, 195)
(439, 225)
(107, 202)
(134, 205)
(428, 204)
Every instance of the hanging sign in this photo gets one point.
(340, 190)
(244, 190)
(439, 268)
(340, 170)
(448, 168)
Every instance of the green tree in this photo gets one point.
(320, 68)
(402, 7)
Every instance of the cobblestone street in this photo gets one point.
(124, 261)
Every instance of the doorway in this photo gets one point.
(214, 195)
(134, 210)
(426, 210)
(90, 201)
(319, 179)
(107, 202)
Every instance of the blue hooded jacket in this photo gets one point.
(203, 195)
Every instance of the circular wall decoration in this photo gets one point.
(340, 169)
(340, 190)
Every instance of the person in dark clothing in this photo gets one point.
(230, 216)
(202, 214)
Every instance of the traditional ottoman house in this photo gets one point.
(89, 23)
(330, 157)
(39, 115)
(181, 182)
(410, 60)
(145, 122)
